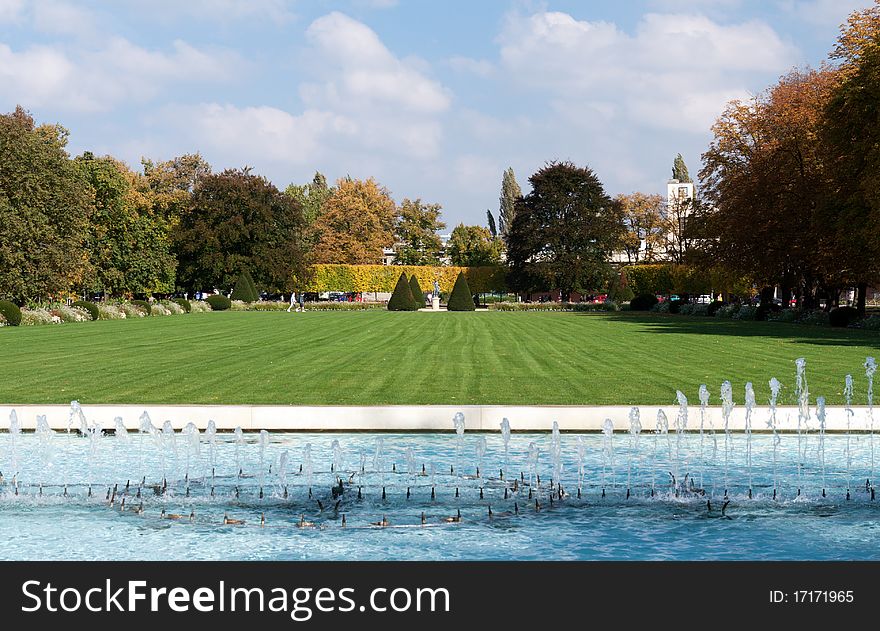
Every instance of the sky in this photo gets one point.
(432, 98)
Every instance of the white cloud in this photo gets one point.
(11, 10)
(60, 17)
(675, 71)
(222, 11)
(823, 13)
(478, 67)
(100, 79)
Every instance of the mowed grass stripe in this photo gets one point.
(371, 358)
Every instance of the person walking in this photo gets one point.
(292, 301)
(302, 302)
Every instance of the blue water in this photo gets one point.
(41, 522)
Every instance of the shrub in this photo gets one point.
(219, 302)
(143, 304)
(36, 317)
(240, 305)
(700, 310)
(132, 311)
(160, 310)
(643, 302)
(11, 312)
(661, 307)
(199, 306)
(460, 299)
(69, 314)
(618, 291)
(608, 305)
(871, 323)
(675, 305)
(713, 307)
(173, 307)
(843, 316)
(269, 305)
(184, 303)
(727, 311)
(785, 315)
(91, 307)
(416, 291)
(816, 317)
(402, 298)
(244, 289)
(745, 312)
(686, 309)
(107, 311)
(344, 306)
(765, 309)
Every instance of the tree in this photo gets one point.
(473, 246)
(311, 196)
(510, 193)
(45, 207)
(680, 170)
(402, 298)
(240, 221)
(490, 222)
(460, 299)
(564, 232)
(130, 234)
(643, 222)
(851, 133)
(417, 293)
(416, 231)
(766, 180)
(356, 224)
(245, 289)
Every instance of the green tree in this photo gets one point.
(680, 170)
(510, 193)
(45, 206)
(416, 231)
(643, 221)
(402, 298)
(564, 232)
(417, 293)
(490, 222)
(245, 289)
(130, 239)
(356, 224)
(473, 246)
(460, 299)
(311, 196)
(240, 221)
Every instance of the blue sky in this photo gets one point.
(434, 99)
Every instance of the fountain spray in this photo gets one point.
(870, 369)
(775, 387)
(726, 410)
(820, 414)
(750, 408)
(848, 396)
(635, 428)
(802, 392)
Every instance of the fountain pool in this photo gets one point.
(161, 494)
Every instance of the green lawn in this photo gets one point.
(420, 358)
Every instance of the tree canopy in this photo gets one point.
(564, 232)
(417, 240)
(473, 246)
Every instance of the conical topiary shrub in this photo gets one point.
(245, 289)
(416, 291)
(460, 299)
(401, 299)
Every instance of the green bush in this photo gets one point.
(186, 304)
(871, 323)
(91, 307)
(245, 289)
(219, 302)
(460, 299)
(618, 292)
(402, 298)
(416, 291)
(675, 305)
(11, 312)
(661, 307)
(843, 316)
(816, 317)
(143, 304)
(643, 302)
(714, 307)
(608, 305)
(746, 312)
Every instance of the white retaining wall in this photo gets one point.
(405, 418)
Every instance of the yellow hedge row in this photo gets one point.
(669, 278)
(382, 278)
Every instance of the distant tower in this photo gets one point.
(679, 193)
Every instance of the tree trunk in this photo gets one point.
(861, 298)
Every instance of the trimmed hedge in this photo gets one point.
(383, 278)
(671, 278)
(91, 307)
(184, 303)
(143, 304)
(461, 298)
(416, 291)
(843, 316)
(218, 302)
(402, 299)
(11, 312)
(643, 302)
(245, 289)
